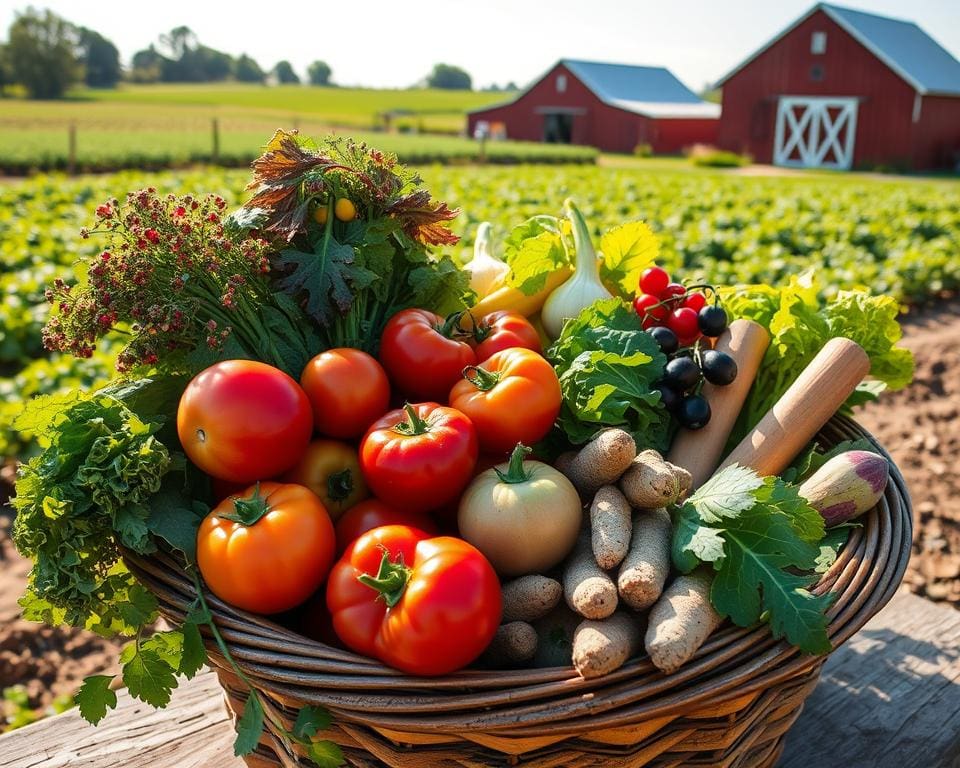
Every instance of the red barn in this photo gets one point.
(840, 88)
(613, 107)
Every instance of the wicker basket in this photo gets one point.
(730, 706)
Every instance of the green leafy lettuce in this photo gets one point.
(91, 492)
(607, 365)
(763, 541)
(800, 323)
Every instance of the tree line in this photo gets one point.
(47, 55)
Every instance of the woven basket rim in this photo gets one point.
(734, 662)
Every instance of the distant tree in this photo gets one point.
(146, 65)
(319, 73)
(42, 51)
(449, 77)
(284, 73)
(246, 70)
(100, 58)
(178, 41)
(4, 70)
(511, 86)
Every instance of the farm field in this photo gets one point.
(171, 126)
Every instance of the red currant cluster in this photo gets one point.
(663, 304)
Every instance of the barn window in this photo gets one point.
(816, 73)
(561, 83)
(818, 42)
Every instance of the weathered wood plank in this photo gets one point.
(193, 732)
(889, 698)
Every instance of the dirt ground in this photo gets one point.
(919, 426)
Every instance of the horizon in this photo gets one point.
(693, 50)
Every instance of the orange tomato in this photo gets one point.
(267, 550)
(348, 390)
(331, 470)
(512, 397)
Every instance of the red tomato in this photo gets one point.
(426, 606)
(420, 456)
(645, 305)
(653, 280)
(268, 550)
(373, 513)
(685, 324)
(348, 391)
(695, 301)
(514, 397)
(503, 330)
(673, 291)
(242, 421)
(421, 354)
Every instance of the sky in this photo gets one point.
(382, 43)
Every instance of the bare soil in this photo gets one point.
(920, 426)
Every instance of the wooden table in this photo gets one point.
(890, 698)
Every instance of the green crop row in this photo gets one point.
(897, 237)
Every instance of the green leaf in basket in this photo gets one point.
(726, 494)
(763, 542)
(831, 545)
(249, 727)
(194, 655)
(761, 547)
(147, 676)
(309, 721)
(325, 754)
(95, 697)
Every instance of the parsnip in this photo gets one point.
(681, 621)
(610, 526)
(587, 589)
(647, 564)
(600, 647)
(529, 598)
(601, 461)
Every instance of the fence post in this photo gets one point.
(72, 149)
(215, 155)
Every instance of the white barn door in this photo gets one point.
(815, 132)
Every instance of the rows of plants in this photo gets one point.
(26, 149)
(896, 238)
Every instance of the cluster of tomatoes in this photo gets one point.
(346, 477)
(662, 303)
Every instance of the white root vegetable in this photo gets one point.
(610, 527)
(487, 272)
(587, 589)
(513, 644)
(645, 568)
(601, 461)
(530, 598)
(651, 482)
(681, 621)
(600, 647)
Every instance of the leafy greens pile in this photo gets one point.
(800, 323)
(762, 540)
(352, 276)
(607, 364)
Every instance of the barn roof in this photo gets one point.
(904, 47)
(901, 45)
(648, 91)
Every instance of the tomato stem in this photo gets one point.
(481, 378)
(516, 473)
(413, 425)
(390, 581)
(340, 485)
(451, 326)
(248, 511)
